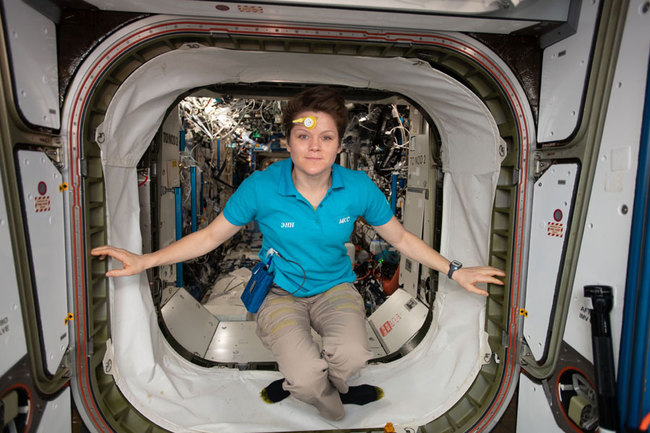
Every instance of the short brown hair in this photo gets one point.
(321, 98)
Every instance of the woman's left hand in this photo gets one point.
(469, 277)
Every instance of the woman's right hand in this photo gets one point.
(131, 263)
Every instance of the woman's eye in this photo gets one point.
(328, 137)
(303, 136)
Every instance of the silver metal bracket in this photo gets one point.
(83, 167)
(540, 166)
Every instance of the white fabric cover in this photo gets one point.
(224, 301)
(180, 396)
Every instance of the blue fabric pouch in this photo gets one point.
(258, 286)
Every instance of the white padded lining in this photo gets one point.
(419, 387)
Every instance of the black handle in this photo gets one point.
(601, 340)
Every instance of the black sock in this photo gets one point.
(362, 394)
(274, 392)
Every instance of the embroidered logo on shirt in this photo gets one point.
(287, 225)
(344, 220)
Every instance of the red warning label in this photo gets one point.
(555, 229)
(388, 325)
(385, 329)
(42, 203)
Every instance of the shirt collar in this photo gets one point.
(286, 186)
(337, 177)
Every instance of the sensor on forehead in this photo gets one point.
(309, 122)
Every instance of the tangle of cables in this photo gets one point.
(228, 138)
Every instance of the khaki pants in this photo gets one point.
(312, 375)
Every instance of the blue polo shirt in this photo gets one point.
(313, 238)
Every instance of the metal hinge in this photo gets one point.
(66, 363)
(525, 354)
(540, 166)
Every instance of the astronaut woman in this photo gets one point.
(306, 207)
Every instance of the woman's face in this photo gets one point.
(313, 150)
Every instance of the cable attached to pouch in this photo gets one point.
(261, 281)
(273, 252)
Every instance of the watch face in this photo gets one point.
(454, 266)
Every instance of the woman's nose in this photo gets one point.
(314, 144)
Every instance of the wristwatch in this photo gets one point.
(453, 267)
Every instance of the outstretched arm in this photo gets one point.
(188, 247)
(415, 248)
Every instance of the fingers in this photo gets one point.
(104, 251)
(124, 272)
(107, 250)
(480, 274)
(118, 273)
(495, 271)
(472, 288)
(488, 270)
(488, 274)
(125, 257)
(99, 250)
(117, 253)
(488, 279)
(493, 280)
